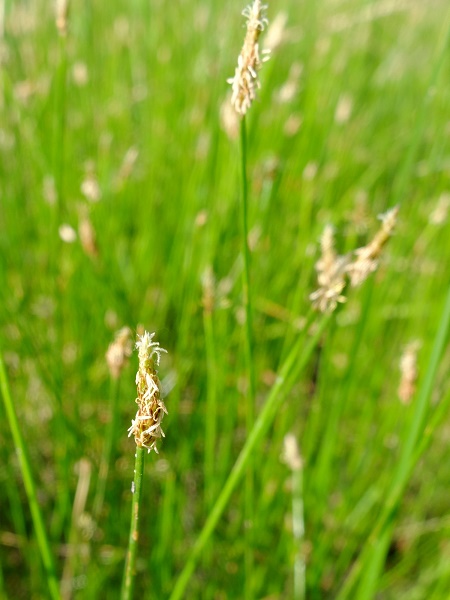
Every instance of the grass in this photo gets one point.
(122, 122)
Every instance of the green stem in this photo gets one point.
(30, 488)
(291, 369)
(251, 386)
(211, 408)
(130, 566)
(62, 453)
(298, 529)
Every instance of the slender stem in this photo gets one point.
(130, 566)
(298, 529)
(30, 488)
(291, 369)
(62, 454)
(246, 276)
(211, 410)
(251, 386)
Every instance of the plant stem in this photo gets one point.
(211, 410)
(250, 391)
(130, 566)
(62, 453)
(291, 369)
(30, 488)
(298, 529)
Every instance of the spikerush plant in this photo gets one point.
(245, 84)
(146, 429)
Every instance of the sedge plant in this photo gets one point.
(146, 429)
(245, 84)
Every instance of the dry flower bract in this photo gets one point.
(245, 82)
(146, 426)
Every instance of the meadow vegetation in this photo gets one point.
(120, 206)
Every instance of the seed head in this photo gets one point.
(333, 269)
(245, 82)
(61, 17)
(330, 275)
(408, 371)
(367, 257)
(119, 351)
(291, 452)
(146, 426)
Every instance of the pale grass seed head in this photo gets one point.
(87, 235)
(119, 351)
(291, 452)
(61, 16)
(408, 372)
(366, 261)
(245, 82)
(332, 269)
(146, 426)
(330, 275)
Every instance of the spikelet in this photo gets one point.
(87, 235)
(332, 269)
(330, 275)
(367, 257)
(291, 453)
(61, 16)
(408, 372)
(146, 426)
(245, 82)
(118, 352)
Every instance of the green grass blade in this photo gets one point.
(293, 366)
(30, 487)
(369, 563)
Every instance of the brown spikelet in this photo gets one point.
(332, 269)
(366, 261)
(61, 16)
(330, 275)
(408, 372)
(118, 352)
(245, 82)
(88, 238)
(146, 426)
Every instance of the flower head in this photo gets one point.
(409, 372)
(146, 426)
(245, 82)
(333, 269)
(367, 257)
(119, 351)
(330, 275)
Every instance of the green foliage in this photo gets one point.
(122, 124)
